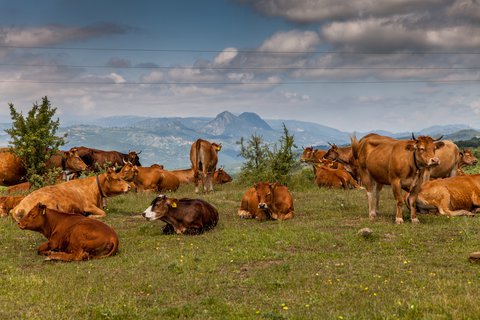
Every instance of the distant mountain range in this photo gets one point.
(167, 140)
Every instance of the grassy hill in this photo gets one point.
(315, 266)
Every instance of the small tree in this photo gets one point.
(255, 152)
(33, 138)
(282, 158)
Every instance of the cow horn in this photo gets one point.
(440, 138)
(139, 152)
(329, 144)
(413, 137)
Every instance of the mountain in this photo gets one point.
(229, 125)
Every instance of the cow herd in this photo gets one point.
(428, 170)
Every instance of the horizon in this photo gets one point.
(356, 67)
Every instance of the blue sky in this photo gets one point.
(398, 65)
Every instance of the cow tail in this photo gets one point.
(355, 146)
(197, 154)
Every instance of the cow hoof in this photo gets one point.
(372, 216)
(399, 220)
(416, 221)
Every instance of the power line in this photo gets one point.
(231, 68)
(245, 51)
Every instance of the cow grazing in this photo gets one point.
(149, 178)
(326, 176)
(97, 159)
(399, 163)
(83, 196)
(8, 203)
(311, 155)
(267, 201)
(455, 196)
(204, 158)
(183, 216)
(71, 237)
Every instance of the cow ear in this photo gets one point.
(273, 185)
(173, 203)
(411, 146)
(439, 144)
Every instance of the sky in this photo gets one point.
(397, 65)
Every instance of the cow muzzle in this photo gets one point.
(433, 162)
(262, 206)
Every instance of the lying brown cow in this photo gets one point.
(455, 196)
(77, 196)
(183, 216)
(185, 176)
(311, 155)
(71, 237)
(149, 178)
(466, 159)
(97, 159)
(267, 201)
(334, 178)
(8, 203)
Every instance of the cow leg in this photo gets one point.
(44, 248)
(95, 212)
(284, 216)
(168, 229)
(210, 180)
(444, 209)
(397, 193)
(378, 189)
(77, 255)
(244, 214)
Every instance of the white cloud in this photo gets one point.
(154, 76)
(224, 57)
(291, 41)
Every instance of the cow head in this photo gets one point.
(220, 176)
(159, 207)
(307, 155)
(114, 184)
(264, 192)
(467, 158)
(423, 149)
(216, 146)
(128, 171)
(73, 162)
(35, 219)
(134, 158)
(332, 153)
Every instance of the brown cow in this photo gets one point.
(450, 158)
(399, 163)
(221, 176)
(149, 178)
(183, 216)
(71, 237)
(97, 159)
(267, 201)
(12, 170)
(79, 196)
(69, 161)
(185, 176)
(310, 155)
(204, 158)
(326, 176)
(8, 203)
(343, 155)
(455, 196)
(466, 159)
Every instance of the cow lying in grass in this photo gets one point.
(183, 216)
(71, 237)
(265, 201)
(7, 203)
(455, 196)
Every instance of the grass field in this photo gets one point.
(315, 266)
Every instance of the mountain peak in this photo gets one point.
(254, 119)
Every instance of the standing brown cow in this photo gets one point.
(71, 237)
(399, 163)
(267, 201)
(204, 158)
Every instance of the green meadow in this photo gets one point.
(315, 266)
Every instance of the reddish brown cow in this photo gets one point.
(455, 196)
(97, 159)
(185, 176)
(343, 155)
(399, 163)
(8, 203)
(466, 159)
(204, 158)
(183, 216)
(69, 161)
(12, 170)
(334, 178)
(267, 201)
(221, 176)
(149, 178)
(310, 155)
(71, 237)
(78, 196)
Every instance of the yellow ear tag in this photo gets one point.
(174, 204)
(43, 211)
(219, 148)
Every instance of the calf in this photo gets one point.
(454, 196)
(71, 237)
(184, 216)
(334, 178)
(8, 203)
(267, 201)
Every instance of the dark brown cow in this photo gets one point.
(183, 216)
(149, 178)
(69, 161)
(310, 155)
(97, 159)
(78, 196)
(399, 163)
(71, 237)
(455, 196)
(334, 178)
(204, 158)
(8, 203)
(267, 201)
